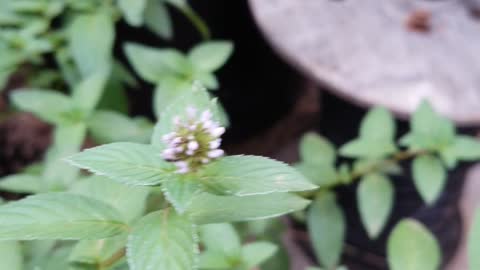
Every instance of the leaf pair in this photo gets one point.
(436, 135)
(57, 108)
(375, 193)
(174, 72)
(154, 15)
(229, 252)
(318, 158)
(376, 138)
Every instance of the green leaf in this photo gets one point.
(128, 163)
(129, 201)
(366, 165)
(67, 140)
(56, 259)
(158, 20)
(91, 38)
(22, 183)
(88, 92)
(94, 252)
(429, 177)
(429, 130)
(229, 245)
(412, 247)
(463, 148)
(155, 64)
(180, 190)
(59, 216)
(251, 175)
(214, 260)
(375, 201)
(315, 149)
(114, 96)
(37, 252)
(167, 91)
(256, 253)
(162, 240)
(133, 11)
(67, 67)
(46, 104)
(206, 208)
(207, 79)
(198, 98)
(211, 55)
(474, 243)
(367, 148)
(378, 124)
(110, 126)
(321, 175)
(11, 254)
(376, 138)
(326, 226)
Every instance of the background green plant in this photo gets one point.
(432, 146)
(83, 95)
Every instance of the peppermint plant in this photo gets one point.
(118, 227)
(433, 147)
(72, 117)
(230, 252)
(174, 72)
(79, 34)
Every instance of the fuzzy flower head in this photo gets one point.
(194, 141)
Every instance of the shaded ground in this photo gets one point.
(470, 202)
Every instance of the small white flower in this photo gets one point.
(215, 153)
(177, 121)
(168, 137)
(208, 125)
(191, 112)
(217, 132)
(195, 140)
(215, 144)
(182, 166)
(176, 140)
(192, 145)
(168, 154)
(206, 116)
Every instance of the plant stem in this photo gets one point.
(197, 21)
(396, 158)
(113, 259)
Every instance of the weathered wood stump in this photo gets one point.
(390, 53)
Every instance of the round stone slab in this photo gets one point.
(391, 53)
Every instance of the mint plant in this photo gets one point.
(230, 253)
(80, 34)
(433, 147)
(198, 183)
(173, 72)
(73, 116)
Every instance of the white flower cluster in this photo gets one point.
(194, 141)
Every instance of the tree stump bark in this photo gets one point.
(390, 53)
